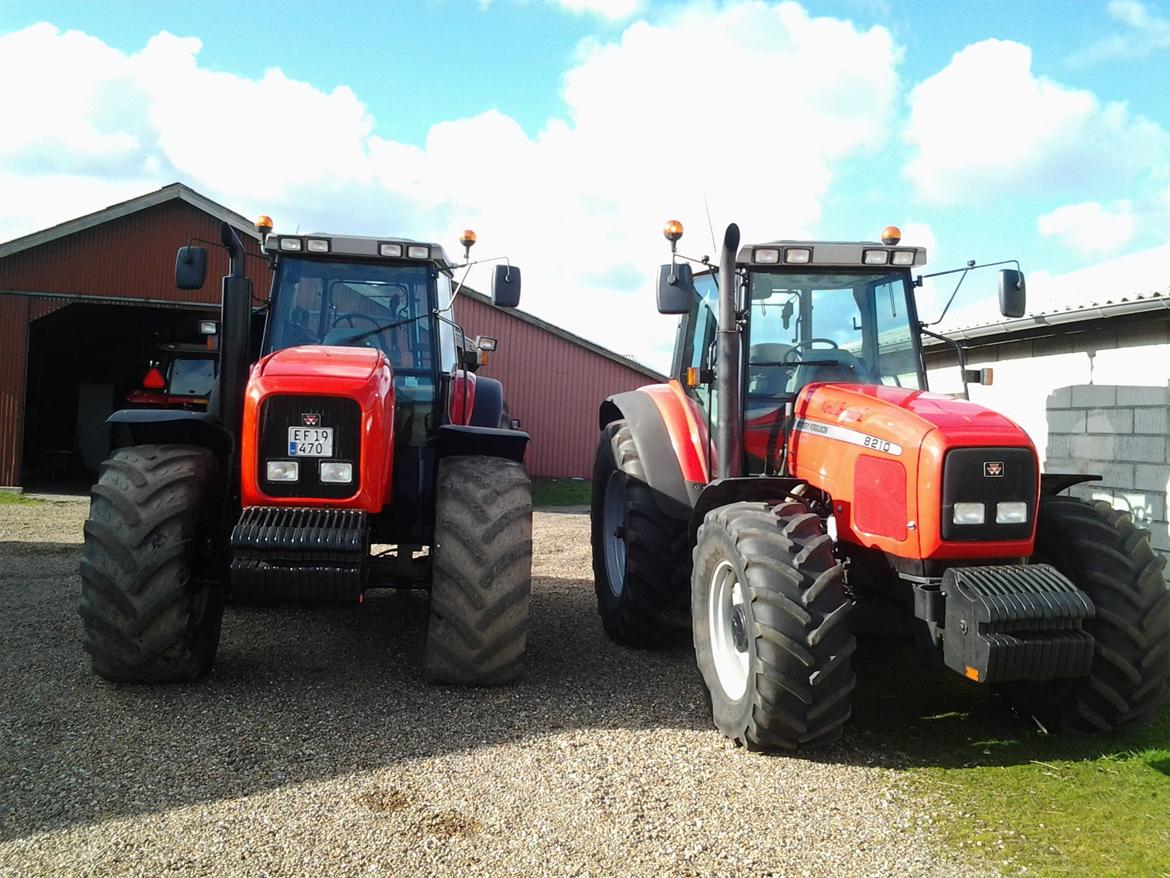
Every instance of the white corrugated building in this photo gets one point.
(1087, 373)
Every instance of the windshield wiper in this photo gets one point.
(388, 326)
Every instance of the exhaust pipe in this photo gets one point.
(235, 335)
(729, 430)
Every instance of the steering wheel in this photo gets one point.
(351, 316)
(339, 334)
(790, 355)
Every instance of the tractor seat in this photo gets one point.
(768, 380)
(845, 369)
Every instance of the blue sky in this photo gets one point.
(567, 131)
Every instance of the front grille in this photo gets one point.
(281, 412)
(988, 476)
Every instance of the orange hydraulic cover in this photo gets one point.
(878, 451)
(360, 374)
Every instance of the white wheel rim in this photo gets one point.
(726, 614)
(613, 521)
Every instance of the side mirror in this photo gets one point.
(1012, 292)
(506, 286)
(190, 268)
(676, 289)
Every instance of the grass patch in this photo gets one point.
(1012, 797)
(11, 498)
(560, 492)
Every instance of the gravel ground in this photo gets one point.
(315, 749)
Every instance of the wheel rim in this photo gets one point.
(727, 623)
(613, 520)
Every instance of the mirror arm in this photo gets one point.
(705, 261)
(922, 327)
(466, 266)
(970, 266)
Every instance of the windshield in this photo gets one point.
(380, 306)
(845, 327)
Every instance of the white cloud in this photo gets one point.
(986, 127)
(614, 10)
(1144, 34)
(580, 205)
(1090, 227)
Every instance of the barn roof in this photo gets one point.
(175, 191)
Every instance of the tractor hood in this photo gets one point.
(916, 411)
(308, 361)
(885, 456)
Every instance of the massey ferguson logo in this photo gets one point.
(312, 419)
(993, 469)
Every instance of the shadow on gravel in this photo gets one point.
(302, 693)
(911, 717)
(297, 694)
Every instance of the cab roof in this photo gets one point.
(838, 254)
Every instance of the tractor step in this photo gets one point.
(1010, 623)
(287, 553)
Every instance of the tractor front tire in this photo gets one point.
(639, 554)
(772, 637)
(482, 572)
(1101, 551)
(148, 611)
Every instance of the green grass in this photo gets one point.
(1013, 797)
(11, 498)
(560, 492)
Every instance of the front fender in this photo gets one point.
(178, 426)
(664, 434)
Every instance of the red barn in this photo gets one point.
(84, 304)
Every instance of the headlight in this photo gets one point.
(393, 250)
(875, 257)
(336, 473)
(968, 513)
(766, 256)
(797, 255)
(903, 257)
(418, 251)
(283, 471)
(1012, 512)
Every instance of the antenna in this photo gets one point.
(707, 207)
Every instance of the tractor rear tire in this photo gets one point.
(640, 563)
(148, 611)
(1101, 551)
(770, 620)
(482, 572)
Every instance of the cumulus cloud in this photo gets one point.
(1090, 227)
(1142, 34)
(986, 126)
(580, 204)
(614, 10)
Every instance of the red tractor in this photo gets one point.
(356, 422)
(795, 470)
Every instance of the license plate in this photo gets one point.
(310, 441)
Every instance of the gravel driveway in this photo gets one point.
(315, 749)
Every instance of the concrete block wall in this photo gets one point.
(1120, 433)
